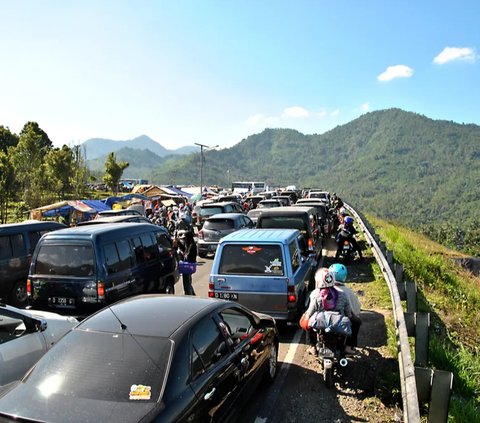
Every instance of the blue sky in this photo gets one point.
(215, 72)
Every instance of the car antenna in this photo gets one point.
(122, 325)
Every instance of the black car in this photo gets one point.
(125, 218)
(17, 243)
(150, 358)
(209, 209)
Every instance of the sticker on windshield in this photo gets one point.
(251, 250)
(275, 267)
(140, 392)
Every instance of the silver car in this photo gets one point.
(218, 226)
(25, 335)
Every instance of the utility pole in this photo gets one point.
(202, 146)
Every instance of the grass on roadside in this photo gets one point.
(452, 296)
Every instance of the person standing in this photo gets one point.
(188, 250)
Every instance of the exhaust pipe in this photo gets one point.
(343, 362)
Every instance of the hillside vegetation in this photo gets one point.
(396, 164)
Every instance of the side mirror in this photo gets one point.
(43, 325)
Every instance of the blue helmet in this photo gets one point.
(339, 271)
(349, 220)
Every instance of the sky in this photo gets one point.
(216, 71)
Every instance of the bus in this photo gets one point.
(248, 187)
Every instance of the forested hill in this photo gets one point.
(398, 164)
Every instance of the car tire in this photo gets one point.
(202, 255)
(18, 297)
(271, 369)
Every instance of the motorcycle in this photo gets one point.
(330, 352)
(348, 253)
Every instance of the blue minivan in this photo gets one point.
(79, 270)
(264, 270)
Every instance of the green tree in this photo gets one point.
(7, 185)
(113, 172)
(28, 161)
(7, 139)
(59, 167)
(81, 173)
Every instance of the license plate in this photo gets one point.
(233, 296)
(62, 301)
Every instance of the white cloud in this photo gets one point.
(365, 107)
(397, 71)
(255, 119)
(336, 112)
(295, 112)
(449, 54)
(322, 113)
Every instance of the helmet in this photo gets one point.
(324, 278)
(349, 220)
(343, 211)
(339, 272)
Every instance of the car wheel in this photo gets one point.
(18, 297)
(272, 365)
(202, 255)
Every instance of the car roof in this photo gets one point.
(169, 312)
(95, 230)
(219, 203)
(288, 210)
(232, 216)
(31, 224)
(115, 219)
(261, 235)
(120, 212)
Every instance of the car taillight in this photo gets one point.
(101, 290)
(310, 243)
(200, 235)
(292, 297)
(211, 290)
(29, 288)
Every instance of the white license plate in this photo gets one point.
(62, 301)
(233, 296)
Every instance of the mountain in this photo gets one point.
(398, 165)
(99, 147)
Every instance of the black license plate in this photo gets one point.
(61, 301)
(232, 296)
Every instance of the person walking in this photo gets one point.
(188, 250)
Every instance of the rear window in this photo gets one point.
(283, 222)
(263, 260)
(219, 224)
(102, 366)
(65, 260)
(210, 211)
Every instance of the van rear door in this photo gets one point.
(255, 275)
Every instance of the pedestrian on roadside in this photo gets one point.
(188, 252)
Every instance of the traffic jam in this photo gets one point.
(192, 312)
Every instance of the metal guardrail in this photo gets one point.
(411, 411)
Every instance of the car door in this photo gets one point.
(215, 372)
(21, 345)
(120, 282)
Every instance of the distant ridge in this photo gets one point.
(99, 147)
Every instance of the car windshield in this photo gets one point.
(263, 260)
(283, 222)
(219, 224)
(210, 211)
(268, 205)
(102, 366)
(65, 260)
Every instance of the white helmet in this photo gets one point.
(324, 278)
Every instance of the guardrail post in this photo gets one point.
(390, 258)
(399, 279)
(411, 296)
(383, 247)
(417, 326)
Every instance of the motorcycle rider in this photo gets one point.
(326, 297)
(340, 273)
(346, 232)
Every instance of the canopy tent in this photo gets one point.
(62, 208)
(110, 201)
(177, 191)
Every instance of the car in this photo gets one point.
(292, 194)
(150, 358)
(82, 269)
(286, 200)
(253, 215)
(324, 220)
(320, 194)
(302, 218)
(229, 198)
(131, 218)
(209, 209)
(265, 270)
(266, 204)
(25, 335)
(17, 243)
(218, 226)
(254, 200)
(119, 212)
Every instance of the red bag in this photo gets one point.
(304, 322)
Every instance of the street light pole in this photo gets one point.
(202, 146)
